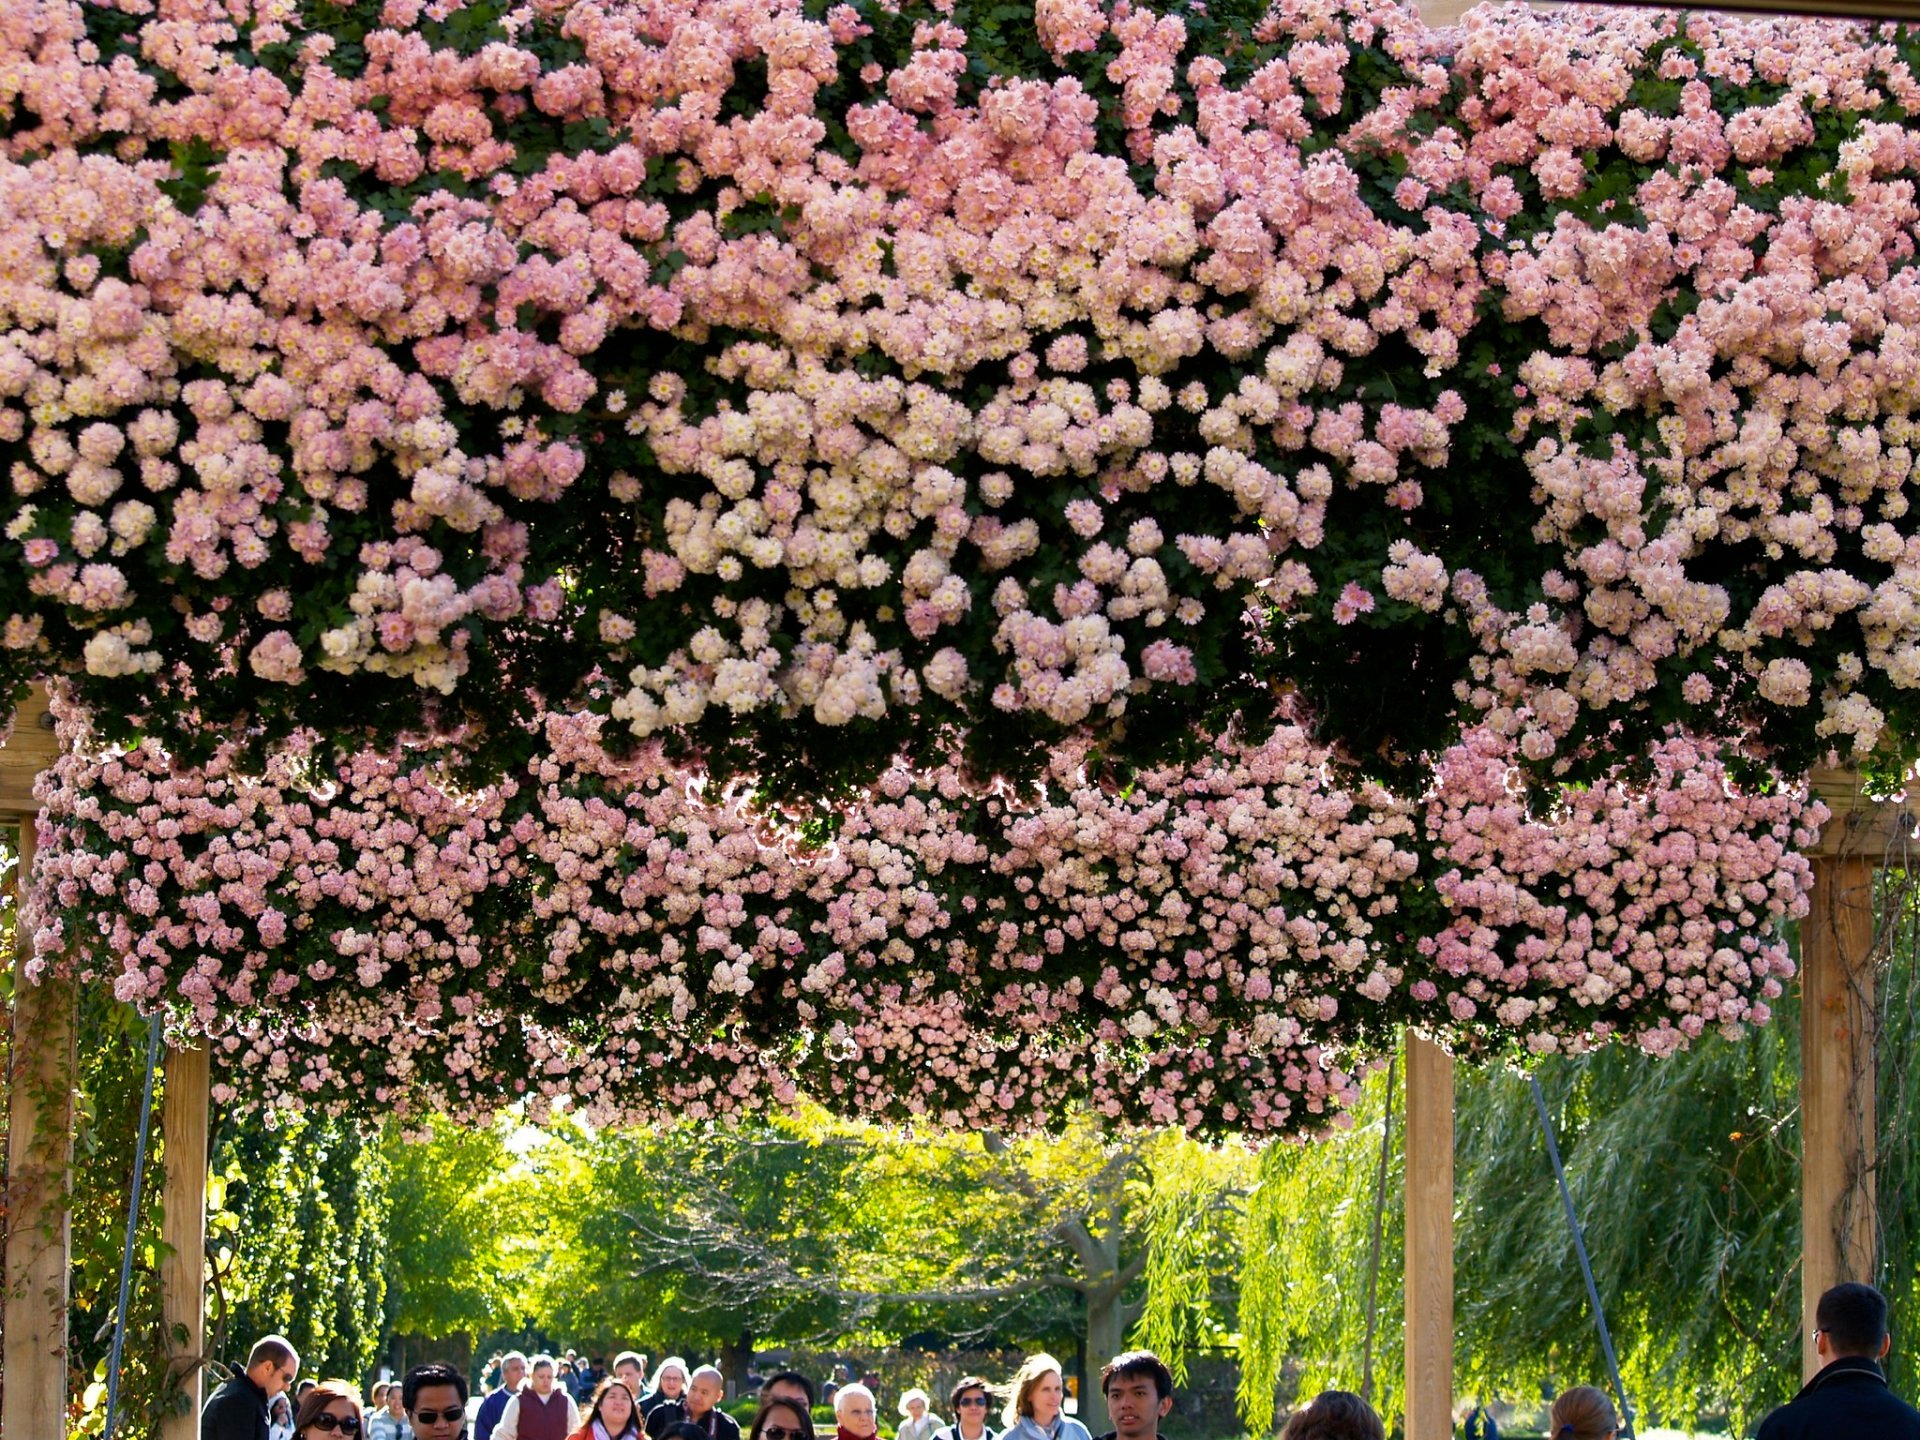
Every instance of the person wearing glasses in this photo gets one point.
(436, 1400)
(781, 1417)
(238, 1409)
(668, 1386)
(1037, 1408)
(970, 1401)
(329, 1411)
(613, 1414)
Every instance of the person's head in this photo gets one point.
(1038, 1392)
(914, 1403)
(513, 1371)
(706, 1388)
(329, 1412)
(616, 1407)
(787, 1385)
(377, 1397)
(1139, 1391)
(436, 1399)
(782, 1417)
(670, 1378)
(1335, 1415)
(396, 1398)
(540, 1375)
(853, 1407)
(1853, 1321)
(1582, 1413)
(305, 1387)
(630, 1369)
(684, 1430)
(280, 1408)
(968, 1403)
(272, 1364)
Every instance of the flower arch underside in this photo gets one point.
(1219, 946)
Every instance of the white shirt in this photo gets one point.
(509, 1426)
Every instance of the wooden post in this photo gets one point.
(39, 1134)
(1429, 1222)
(1838, 1219)
(183, 1271)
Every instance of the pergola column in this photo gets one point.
(1838, 1062)
(40, 1084)
(183, 1229)
(1429, 1240)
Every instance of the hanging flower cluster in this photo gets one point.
(858, 379)
(1217, 947)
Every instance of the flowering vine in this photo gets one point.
(856, 380)
(1217, 946)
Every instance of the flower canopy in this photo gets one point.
(968, 555)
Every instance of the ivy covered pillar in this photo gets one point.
(40, 1084)
(1839, 1220)
(1429, 1240)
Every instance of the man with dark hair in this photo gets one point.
(1139, 1391)
(1849, 1397)
(787, 1385)
(436, 1399)
(238, 1409)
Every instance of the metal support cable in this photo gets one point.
(155, 1026)
(1586, 1266)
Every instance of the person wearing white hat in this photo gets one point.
(921, 1423)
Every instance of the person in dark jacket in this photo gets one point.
(706, 1388)
(1849, 1396)
(1139, 1391)
(238, 1409)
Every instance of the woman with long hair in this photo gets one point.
(1036, 1404)
(329, 1411)
(781, 1418)
(613, 1415)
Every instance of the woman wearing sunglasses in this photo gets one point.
(329, 1411)
(614, 1414)
(780, 1418)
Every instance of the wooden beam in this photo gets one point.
(183, 1268)
(1838, 1220)
(39, 1187)
(1429, 1222)
(29, 749)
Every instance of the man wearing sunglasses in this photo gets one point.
(436, 1401)
(238, 1409)
(968, 1403)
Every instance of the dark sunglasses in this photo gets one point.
(435, 1417)
(781, 1432)
(345, 1424)
(971, 1400)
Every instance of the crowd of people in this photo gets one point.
(538, 1399)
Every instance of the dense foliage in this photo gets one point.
(811, 384)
